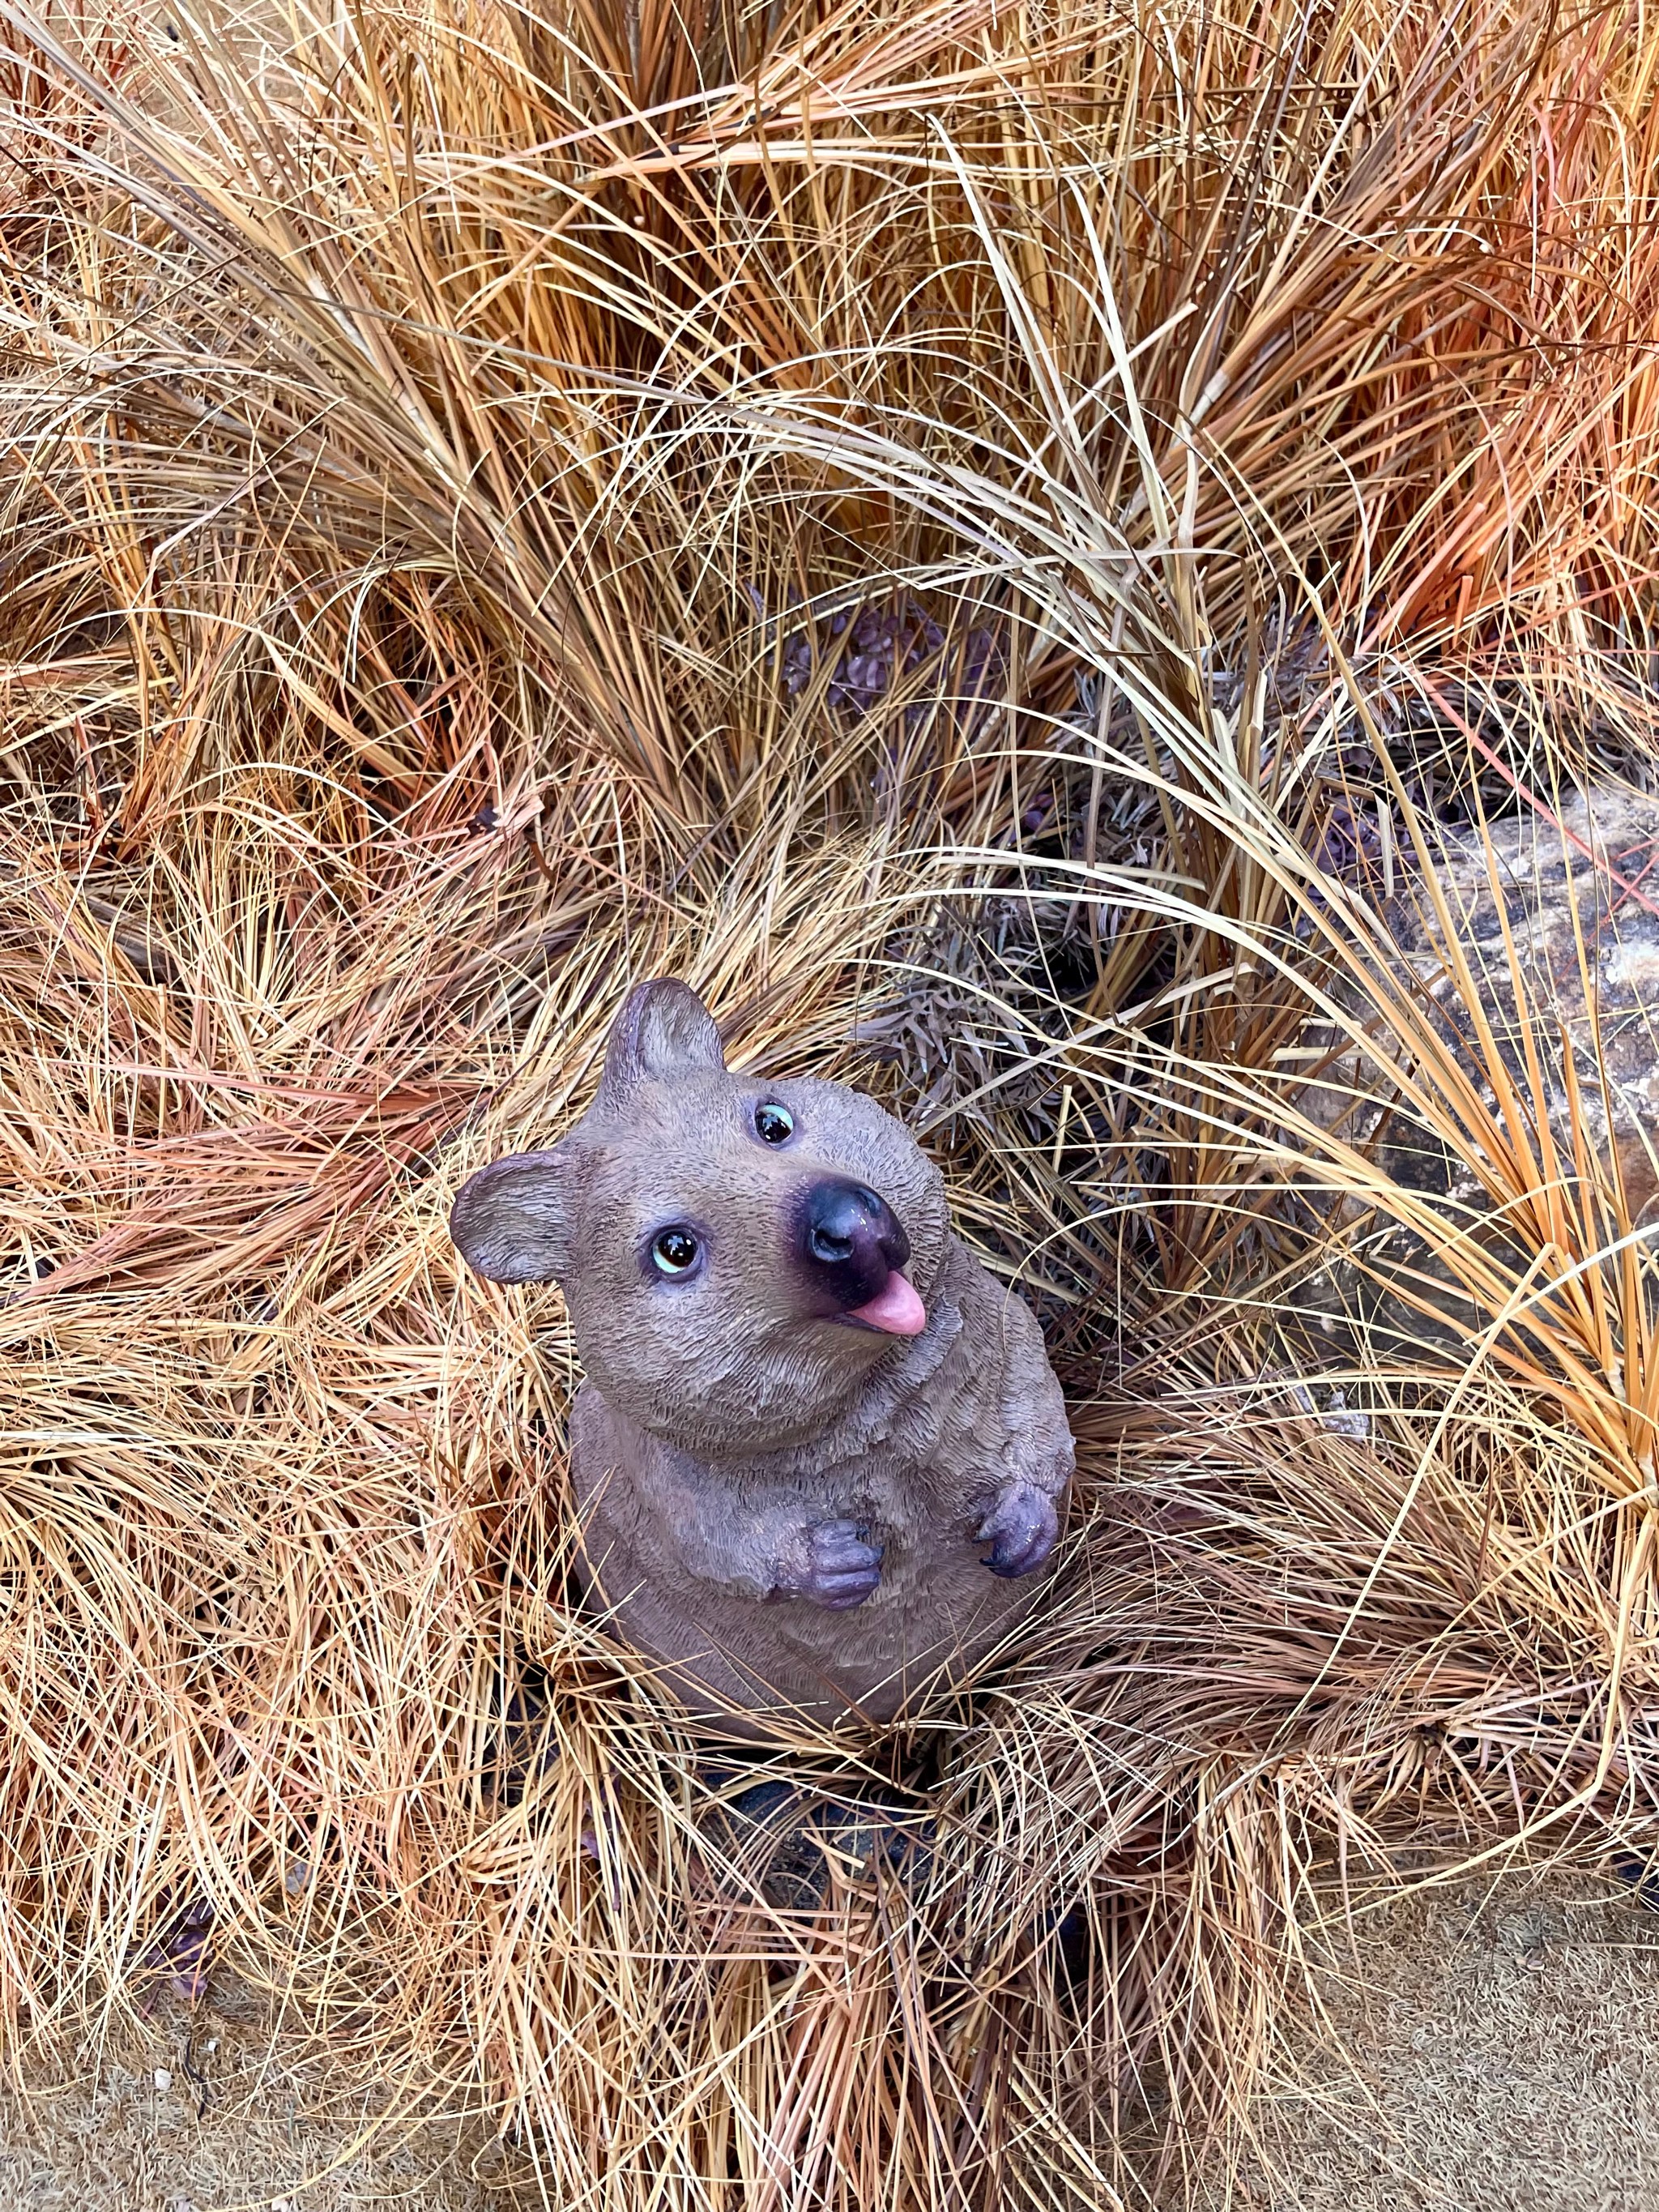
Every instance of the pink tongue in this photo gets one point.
(895, 1307)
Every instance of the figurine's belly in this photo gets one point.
(935, 1599)
(936, 1613)
(927, 1627)
(740, 1659)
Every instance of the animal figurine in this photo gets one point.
(820, 1455)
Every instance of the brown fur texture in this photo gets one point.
(791, 1509)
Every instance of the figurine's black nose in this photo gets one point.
(851, 1241)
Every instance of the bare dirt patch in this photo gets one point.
(265, 2123)
(1499, 2056)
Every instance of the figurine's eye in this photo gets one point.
(673, 1250)
(774, 1124)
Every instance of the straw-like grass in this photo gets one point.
(441, 445)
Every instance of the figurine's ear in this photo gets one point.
(663, 1030)
(512, 1221)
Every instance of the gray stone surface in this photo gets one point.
(1560, 922)
(1546, 933)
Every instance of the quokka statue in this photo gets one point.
(820, 1454)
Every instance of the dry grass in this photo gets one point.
(439, 443)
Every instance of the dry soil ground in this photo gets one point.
(1501, 2055)
(128, 2130)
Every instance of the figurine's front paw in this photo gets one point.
(831, 1564)
(1021, 1531)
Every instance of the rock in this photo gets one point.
(1546, 931)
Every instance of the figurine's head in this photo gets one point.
(737, 1255)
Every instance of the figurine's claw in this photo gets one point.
(831, 1565)
(1021, 1531)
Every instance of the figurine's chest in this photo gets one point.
(920, 1479)
(920, 1476)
